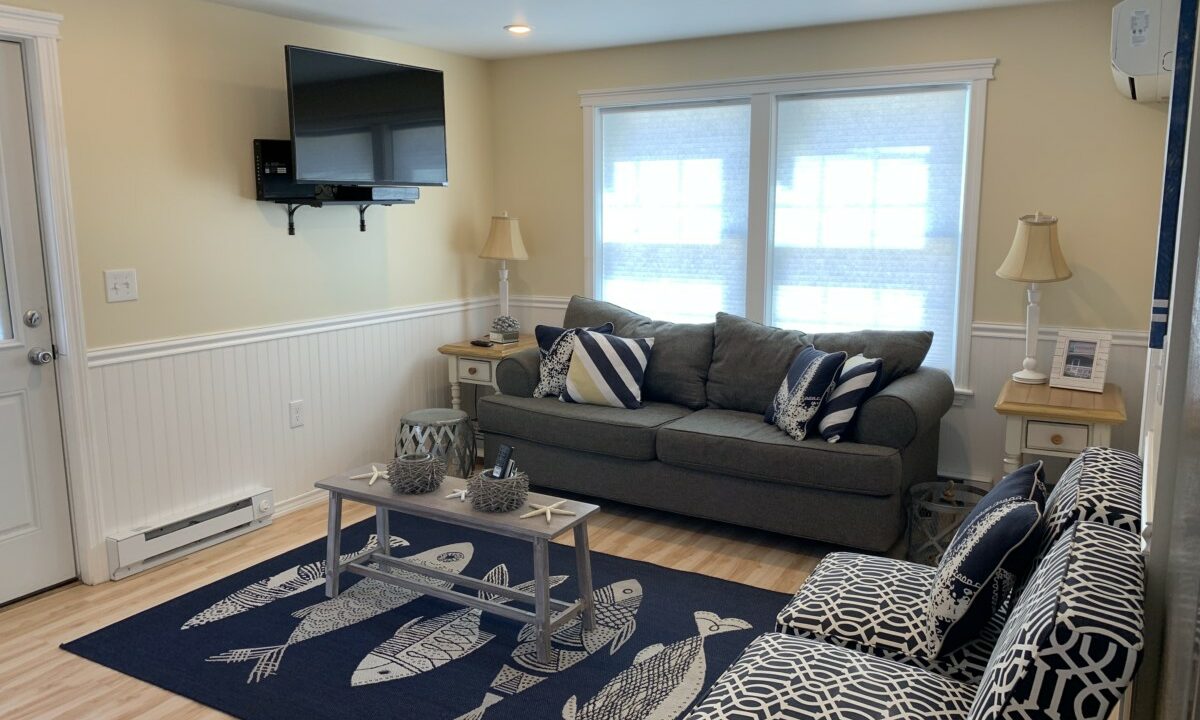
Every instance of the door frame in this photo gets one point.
(38, 34)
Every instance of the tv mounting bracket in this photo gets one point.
(362, 205)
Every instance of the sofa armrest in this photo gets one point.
(906, 409)
(517, 374)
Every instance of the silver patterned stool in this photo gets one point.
(444, 433)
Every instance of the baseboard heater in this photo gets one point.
(142, 548)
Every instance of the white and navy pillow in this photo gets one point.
(808, 381)
(607, 370)
(856, 382)
(555, 345)
(974, 582)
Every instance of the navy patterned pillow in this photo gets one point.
(1027, 482)
(555, 345)
(799, 399)
(858, 379)
(975, 579)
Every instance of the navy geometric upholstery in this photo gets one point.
(1074, 638)
(877, 605)
(781, 677)
(1103, 485)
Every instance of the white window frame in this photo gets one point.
(763, 94)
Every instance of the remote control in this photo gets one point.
(503, 456)
(482, 343)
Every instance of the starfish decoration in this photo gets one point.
(548, 510)
(375, 474)
(460, 494)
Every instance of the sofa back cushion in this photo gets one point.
(678, 368)
(749, 363)
(1074, 638)
(902, 351)
(1103, 485)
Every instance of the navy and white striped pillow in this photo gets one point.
(854, 385)
(607, 370)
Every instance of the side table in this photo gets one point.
(1057, 422)
(476, 365)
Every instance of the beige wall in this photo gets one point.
(1059, 139)
(163, 98)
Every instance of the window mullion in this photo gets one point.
(758, 226)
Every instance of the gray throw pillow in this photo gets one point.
(749, 363)
(902, 351)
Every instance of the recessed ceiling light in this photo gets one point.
(518, 29)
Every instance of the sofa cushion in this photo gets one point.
(902, 351)
(877, 605)
(1103, 485)
(678, 368)
(741, 444)
(611, 431)
(1075, 636)
(779, 676)
(749, 362)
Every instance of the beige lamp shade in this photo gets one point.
(1035, 255)
(504, 240)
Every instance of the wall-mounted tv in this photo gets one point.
(357, 121)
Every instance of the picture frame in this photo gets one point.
(1080, 360)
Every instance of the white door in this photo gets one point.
(35, 522)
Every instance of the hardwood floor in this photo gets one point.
(39, 680)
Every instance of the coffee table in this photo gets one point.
(548, 613)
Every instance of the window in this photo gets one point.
(825, 202)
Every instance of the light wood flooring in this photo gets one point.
(39, 680)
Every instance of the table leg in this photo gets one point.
(541, 596)
(455, 390)
(583, 568)
(333, 546)
(1012, 443)
(382, 531)
(1101, 435)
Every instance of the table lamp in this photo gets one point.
(1035, 257)
(504, 244)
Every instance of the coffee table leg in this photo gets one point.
(583, 566)
(541, 593)
(382, 532)
(333, 546)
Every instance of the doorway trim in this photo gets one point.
(38, 34)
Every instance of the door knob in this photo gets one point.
(40, 356)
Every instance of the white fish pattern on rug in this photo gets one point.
(661, 683)
(362, 601)
(292, 581)
(616, 620)
(422, 645)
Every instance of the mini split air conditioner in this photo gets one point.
(1143, 48)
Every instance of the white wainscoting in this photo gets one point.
(181, 422)
(972, 441)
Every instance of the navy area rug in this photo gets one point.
(265, 643)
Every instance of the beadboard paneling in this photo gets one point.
(183, 422)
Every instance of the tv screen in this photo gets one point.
(365, 122)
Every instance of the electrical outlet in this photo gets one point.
(120, 285)
(296, 413)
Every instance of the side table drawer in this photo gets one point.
(474, 370)
(1063, 437)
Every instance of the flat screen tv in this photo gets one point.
(357, 121)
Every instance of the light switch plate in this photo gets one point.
(120, 285)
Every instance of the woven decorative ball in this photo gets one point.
(416, 474)
(504, 495)
(505, 323)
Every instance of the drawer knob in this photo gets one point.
(473, 370)
(1056, 439)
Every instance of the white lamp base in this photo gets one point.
(1030, 377)
(1028, 373)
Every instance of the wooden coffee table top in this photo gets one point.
(436, 506)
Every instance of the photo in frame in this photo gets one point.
(1080, 360)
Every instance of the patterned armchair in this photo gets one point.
(850, 644)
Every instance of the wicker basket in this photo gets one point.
(416, 474)
(491, 495)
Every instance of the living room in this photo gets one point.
(734, 186)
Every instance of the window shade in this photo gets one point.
(673, 205)
(868, 213)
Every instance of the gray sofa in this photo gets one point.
(700, 447)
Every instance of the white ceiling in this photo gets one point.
(475, 27)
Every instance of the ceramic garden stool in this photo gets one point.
(443, 432)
